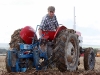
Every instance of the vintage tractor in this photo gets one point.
(60, 48)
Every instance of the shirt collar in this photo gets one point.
(49, 16)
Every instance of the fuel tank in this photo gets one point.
(27, 34)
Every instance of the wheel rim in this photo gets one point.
(71, 54)
(91, 60)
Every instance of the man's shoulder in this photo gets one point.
(54, 15)
(44, 17)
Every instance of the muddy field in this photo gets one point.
(81, 70)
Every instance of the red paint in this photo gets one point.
(59, 29)
(82, 54)
(50, 35)
(27, 33)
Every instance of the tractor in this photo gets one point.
(60, 48)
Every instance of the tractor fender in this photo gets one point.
(59, 29)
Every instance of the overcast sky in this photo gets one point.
(16, 14)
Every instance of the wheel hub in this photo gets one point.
(91, 60)
(70, 53)
(70, 56)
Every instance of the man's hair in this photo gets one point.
(51, 8)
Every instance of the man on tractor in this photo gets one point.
(49, 21)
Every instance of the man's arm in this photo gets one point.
(41, 26)
(56, 23)
(42, 23)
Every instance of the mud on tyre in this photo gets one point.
(15, 39)
(66, 51)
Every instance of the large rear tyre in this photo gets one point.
(15, 39)
(66, 52)
(89, 59)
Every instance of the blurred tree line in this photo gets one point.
(3, 51)
(96, 50)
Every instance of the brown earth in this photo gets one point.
(81, 70)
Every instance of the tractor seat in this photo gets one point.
(49, 35)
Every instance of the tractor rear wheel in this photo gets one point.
(89, 59)
(66, 51)
(15, 39)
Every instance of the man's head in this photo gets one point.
(51, 11)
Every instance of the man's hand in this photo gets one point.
(40, 32)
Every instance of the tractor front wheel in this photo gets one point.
(89, 59)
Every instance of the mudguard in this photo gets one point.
(59, 29)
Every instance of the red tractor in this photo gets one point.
(63, 47)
